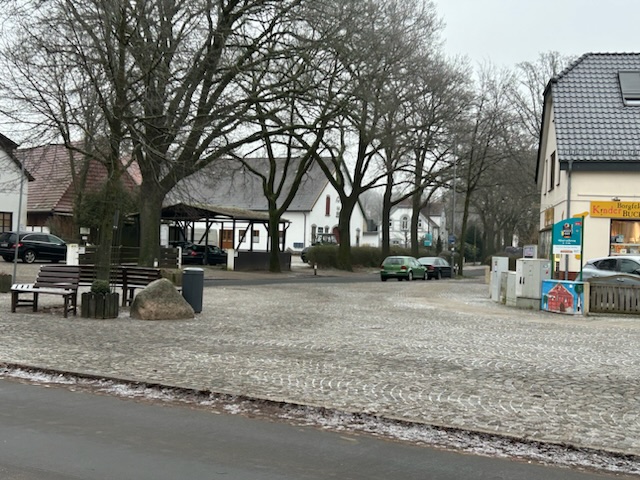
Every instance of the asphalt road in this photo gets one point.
(59, 434)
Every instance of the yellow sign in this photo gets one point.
(624, 210)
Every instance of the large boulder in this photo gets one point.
(160, 301)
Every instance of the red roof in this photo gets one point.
(52, 190)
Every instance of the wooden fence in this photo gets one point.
(129, 256)
(611, 298)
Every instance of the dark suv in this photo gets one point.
(32, 246)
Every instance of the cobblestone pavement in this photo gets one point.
(436, 352)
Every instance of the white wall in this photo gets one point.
(10, 190)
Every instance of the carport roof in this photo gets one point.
(199, 211)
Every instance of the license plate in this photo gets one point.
(4, 244)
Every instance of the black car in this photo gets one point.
(32, 246)
(437, 267)
(194, 254)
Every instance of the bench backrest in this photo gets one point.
(140, 275)
(88, 273)
(58, 276)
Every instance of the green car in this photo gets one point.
(402, 268)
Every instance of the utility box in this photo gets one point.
(511, 289)
(499, 265)
(530, 273)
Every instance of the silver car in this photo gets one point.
(614, 265)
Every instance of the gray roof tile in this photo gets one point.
(592, 122)
(227, 183)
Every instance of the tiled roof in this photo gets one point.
(592, 122)
(51, 190)
(229, 184)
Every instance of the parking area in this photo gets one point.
(438, 352)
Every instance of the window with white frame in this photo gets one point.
(405, 223)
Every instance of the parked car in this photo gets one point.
(321, 239)
(614, 265)
(402, 268)
(32, 246)
(437, 267)
(193, 253)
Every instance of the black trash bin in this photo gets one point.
(192, 287)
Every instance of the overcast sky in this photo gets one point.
(507, 32)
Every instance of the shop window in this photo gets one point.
(625, 237)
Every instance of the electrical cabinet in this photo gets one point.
(530, 272)
(499, 265)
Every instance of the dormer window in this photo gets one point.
(630, 87)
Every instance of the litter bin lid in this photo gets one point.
(193, 269)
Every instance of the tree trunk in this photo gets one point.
(150, 217)
(386, 217)
(415, 217)
(274, 242)
(344, 228)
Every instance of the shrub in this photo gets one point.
(326, 256)
(100, 286)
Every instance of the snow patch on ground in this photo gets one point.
(359, 423)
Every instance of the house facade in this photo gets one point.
(315, 208)
(589, 158)
(430, 225)
(14, 180)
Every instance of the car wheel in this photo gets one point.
(399, 279)
(7, 258)
(29, 256)
(424, 277)
(410, 276)
(384, 279)
(438, 275)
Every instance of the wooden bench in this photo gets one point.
(125, 277)
(52, 280)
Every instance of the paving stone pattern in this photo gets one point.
(434, 352)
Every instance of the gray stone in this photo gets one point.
(160, 301)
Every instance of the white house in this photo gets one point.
(13, 188)
(430, 225)
(315, 208)
(589, 157)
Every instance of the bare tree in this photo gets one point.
(292, 104)
(162, 74)
(483, 143)
(527, 92)
(376, 43)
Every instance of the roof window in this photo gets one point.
(630, 86)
